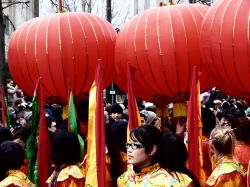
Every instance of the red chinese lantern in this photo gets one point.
(61, 48)
(226, 46)
(163, 45)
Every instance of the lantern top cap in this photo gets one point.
(170, 2)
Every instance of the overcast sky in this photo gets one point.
(122, 9)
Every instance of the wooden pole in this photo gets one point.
(109, 13)
(60, 6)
(2, 44)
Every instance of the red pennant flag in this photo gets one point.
(133, 112)
(44, 147)
(195, 128)
(96, 158)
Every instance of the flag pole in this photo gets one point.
(60, 6)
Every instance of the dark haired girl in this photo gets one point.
(11, 159)
(174, 159)
(143, 151)
(66, 156)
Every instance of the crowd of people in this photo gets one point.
(154, 154)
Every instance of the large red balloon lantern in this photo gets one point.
(61, 48)
(225, 41)
(163, 45)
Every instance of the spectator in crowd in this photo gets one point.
(5, 135)
(11, 91)
(226, 172)
(118, 126)
(21, 118)
(225, 118)
(117, 129)
(22, 130)
(116, 158)
(149, 116)
(217, 105)
(116, 112)
(150, 107)
(51, 125)
(143, 118)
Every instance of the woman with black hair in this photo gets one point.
(66, 156)
(5, 134)
(174, 159)
(11, 159)
(143, 151)
(208, 124)
(242, 144)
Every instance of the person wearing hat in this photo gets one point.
(150, 116)
(12, 158)
(217, 105)
(143, 118)
(118, 125)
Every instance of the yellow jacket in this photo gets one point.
(152, 176)
(71, 176)
(227, 173)
(182, 178)
(16, 178)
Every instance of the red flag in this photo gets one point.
(44, 148)
(4, 119)
(96, 158)
(133, 112)
(195, 128)
(248, 175)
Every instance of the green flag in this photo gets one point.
(73, 123)
(7, 113)
(31, 145)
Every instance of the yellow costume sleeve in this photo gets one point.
(231, 179)
(71, 176)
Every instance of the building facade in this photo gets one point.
(16, 14)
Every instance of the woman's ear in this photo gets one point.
(153, 150)
(212, 150)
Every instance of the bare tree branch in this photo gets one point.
(17, 2)
(90, 6)
(67, 6)
(12, 24)
(54, 4)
